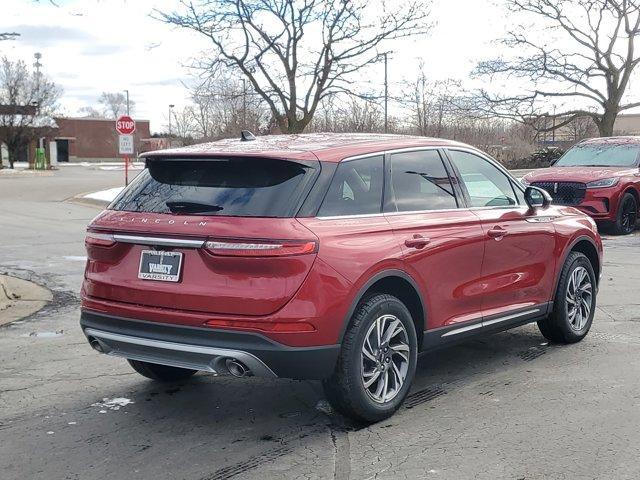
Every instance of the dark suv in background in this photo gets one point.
(330, 257)
(600, 177)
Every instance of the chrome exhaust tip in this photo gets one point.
(236, 368)
(96, 345)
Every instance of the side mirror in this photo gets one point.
(537, 197)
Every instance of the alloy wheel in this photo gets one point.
(385, 358)
(579, 298)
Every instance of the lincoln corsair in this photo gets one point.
(600, 177)
(336, 257)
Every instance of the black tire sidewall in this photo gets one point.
(560, 307)
(361, 400)
(619, 229)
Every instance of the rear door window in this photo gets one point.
(356, 188)
(246, 187)
(420, 182)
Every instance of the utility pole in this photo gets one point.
(127, 92)
(386, 95)
(37, 64)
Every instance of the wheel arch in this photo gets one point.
(587, 246)
(399, 284)
(633, 190)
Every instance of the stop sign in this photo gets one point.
(125, 125)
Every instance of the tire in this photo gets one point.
(563, 326)
(346, 390)
(161, 373)
(627, 215)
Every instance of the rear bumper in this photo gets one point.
(204, 348)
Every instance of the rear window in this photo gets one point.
(244, 187)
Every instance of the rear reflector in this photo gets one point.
(258, 248)
(274, 327)
(96, 239)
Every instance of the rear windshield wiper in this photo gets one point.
(185, 206)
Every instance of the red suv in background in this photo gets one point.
(331, 257)
(600, 177)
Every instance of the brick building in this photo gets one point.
(94, 139)
(67, 139)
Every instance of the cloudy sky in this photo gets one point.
(92, 46)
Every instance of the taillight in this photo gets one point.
(260, 248)
(97, 239)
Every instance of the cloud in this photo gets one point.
(44, 35)
(159, 82)
(103, 49)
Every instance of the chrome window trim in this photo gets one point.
(467, 149)
(382, 214)
(161, 241)
(390, 152)
(417, 212)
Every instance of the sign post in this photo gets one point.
(125, 126)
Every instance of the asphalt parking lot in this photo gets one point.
(508, 406)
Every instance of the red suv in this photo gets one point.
(331, 257)
(600, 177)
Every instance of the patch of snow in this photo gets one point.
(57, 333)
(75, 258)
(105, 195)
(113, 403)
(132, 166)
(50, 432)
(72, 423)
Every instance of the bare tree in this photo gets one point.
(183, 125)
(582, 55)
(295, 53)
(90, 112)
(115, 104)
(431, 104)
(222, 106)
(32, 97)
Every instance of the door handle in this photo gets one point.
(417, 241)
(497, 233)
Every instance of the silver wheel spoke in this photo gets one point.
(385, 387)
(368, 351)
(385, 365)
(392, 331)
(374, 377)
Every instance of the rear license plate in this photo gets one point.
(160, 265)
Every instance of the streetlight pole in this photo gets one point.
(170, 108)
(386, 95)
